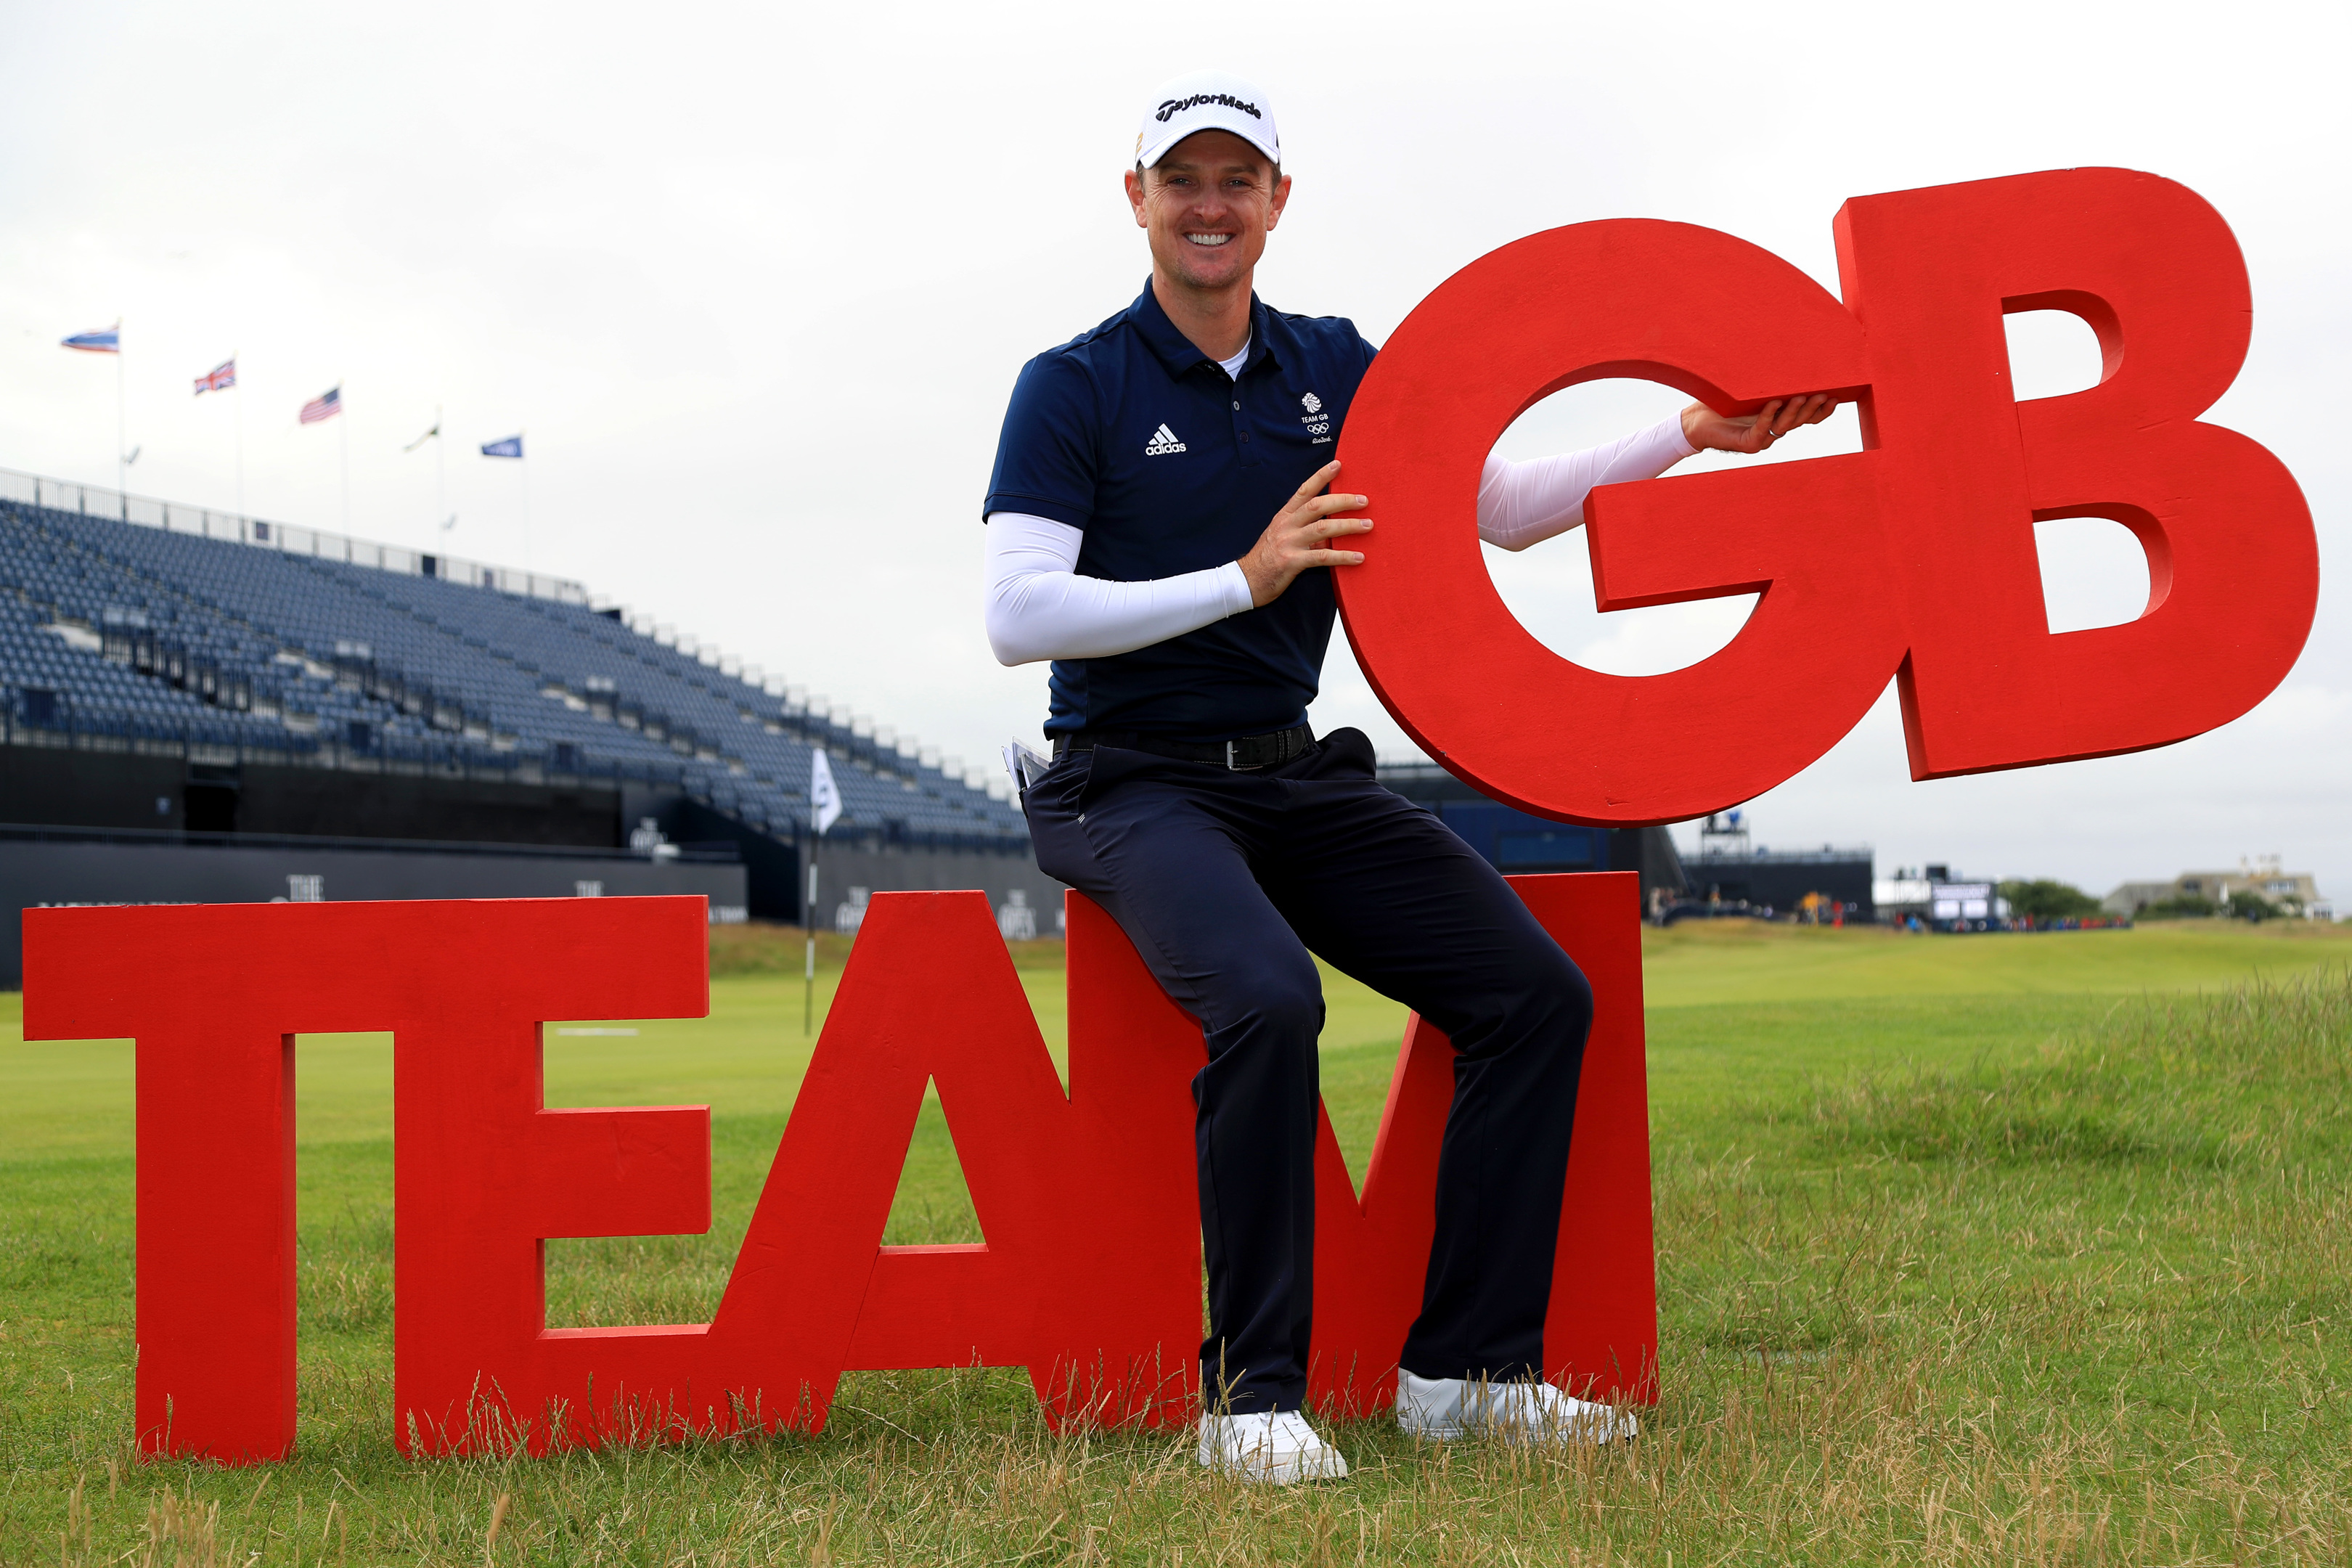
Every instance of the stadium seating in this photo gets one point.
(112, 628)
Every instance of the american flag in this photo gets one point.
(219, 379)
(326, 406)
(99, 341)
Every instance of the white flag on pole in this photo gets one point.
(824, 799)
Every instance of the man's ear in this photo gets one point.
(1134, 179)
(1281, 198)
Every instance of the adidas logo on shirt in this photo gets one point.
(1162, 444)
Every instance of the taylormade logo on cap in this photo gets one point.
(1176, 105)
(1206, 101)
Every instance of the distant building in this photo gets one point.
(2297, 893)
(2130, 899)
(1731, 867)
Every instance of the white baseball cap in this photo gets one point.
(1206, 101)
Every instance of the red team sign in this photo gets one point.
(1090, 1272)
(1089, 1275)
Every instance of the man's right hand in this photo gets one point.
(1296, 539)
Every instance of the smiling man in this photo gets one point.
(1128, 541)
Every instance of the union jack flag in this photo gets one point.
(99, 341)
(218, 379)
(326, 406)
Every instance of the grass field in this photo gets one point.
(1971, 1250)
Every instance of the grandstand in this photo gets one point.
(179, 672)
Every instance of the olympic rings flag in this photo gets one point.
(1856, 556)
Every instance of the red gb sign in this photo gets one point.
(1089, 1275)
(1858, 558)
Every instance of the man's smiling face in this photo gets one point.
(1208, 206)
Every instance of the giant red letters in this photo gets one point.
(1089, 1273)
(1913, 559)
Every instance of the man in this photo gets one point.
(1126, 541)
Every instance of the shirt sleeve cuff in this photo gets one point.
(1036, 506)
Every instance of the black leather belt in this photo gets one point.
(1244, 755)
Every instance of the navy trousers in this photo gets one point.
(1225, 882)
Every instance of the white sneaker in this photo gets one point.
(1275, 1446)
(1439, 1409)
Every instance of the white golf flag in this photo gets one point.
(824, 800)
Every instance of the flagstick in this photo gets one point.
(808, 925)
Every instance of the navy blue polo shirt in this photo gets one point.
(1168, 465)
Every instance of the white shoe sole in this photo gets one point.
(1622, 1429)
(1327, 1465)
(1332, 1469)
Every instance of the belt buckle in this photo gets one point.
(1238, 767)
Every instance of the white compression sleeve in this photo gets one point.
(1521, 504)
(1039, 607)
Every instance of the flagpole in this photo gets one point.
(121, 467)
(345, 428)
(524, 464)
(825, 810)
(808, 925)
(236, 385)
(440, 475)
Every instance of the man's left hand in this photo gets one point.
(1749, 434)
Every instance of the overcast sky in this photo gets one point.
(755, 283)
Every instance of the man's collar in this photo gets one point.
(1264, 328)
(1179, 353)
